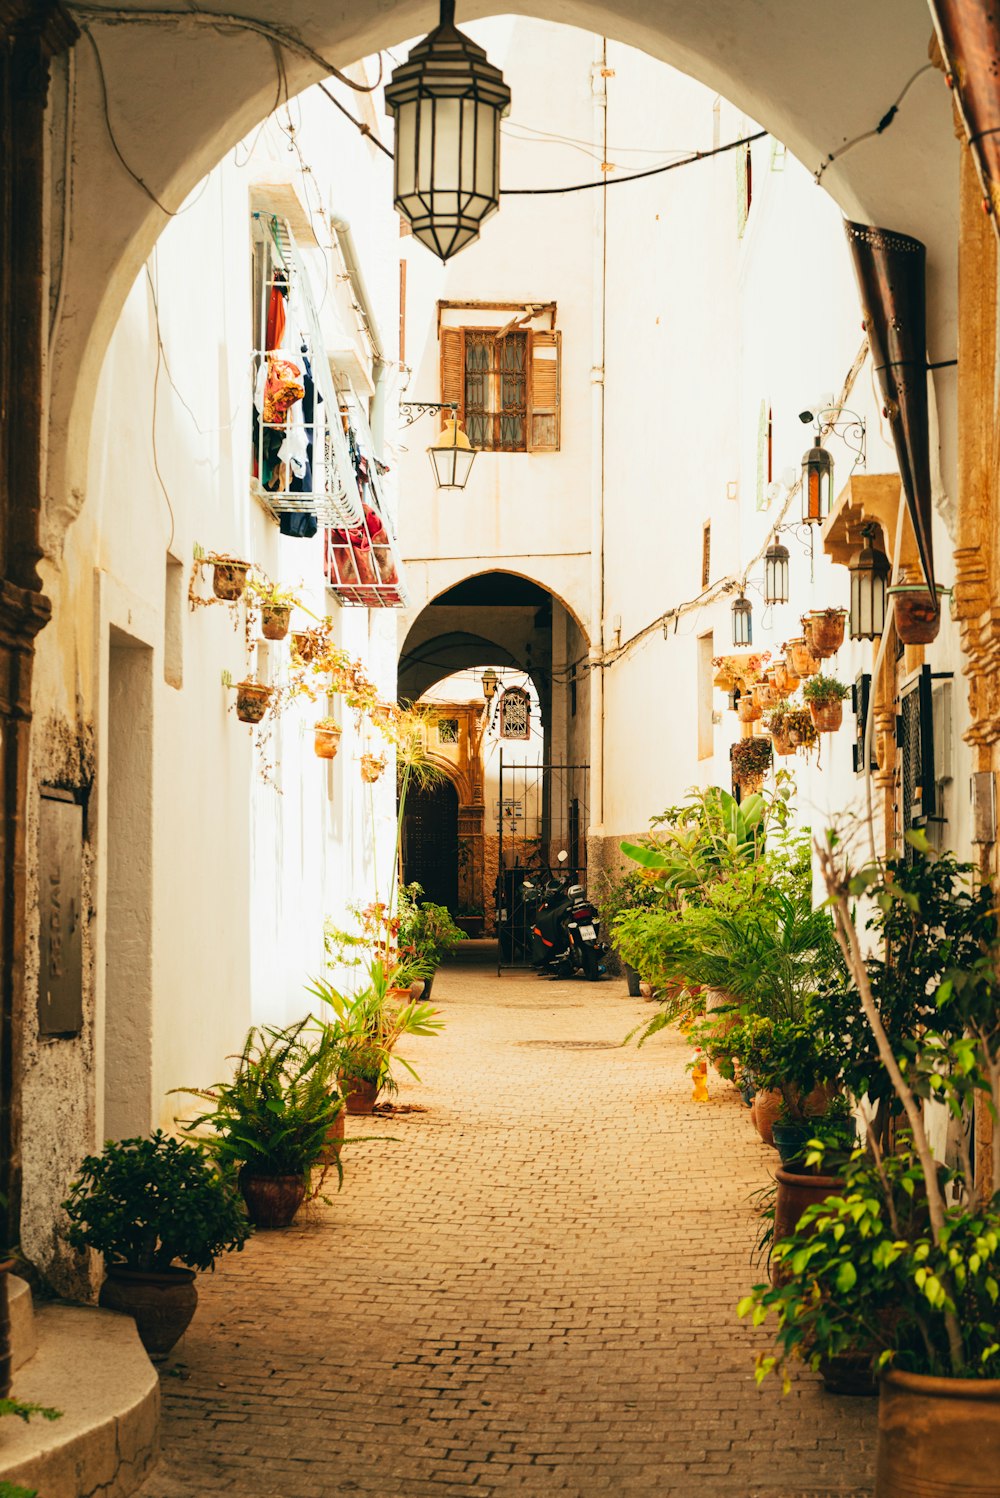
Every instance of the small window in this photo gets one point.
(447, 730)
(506, 385)
(173, 623)
(706, 727)
(515, 714)
(706, 554)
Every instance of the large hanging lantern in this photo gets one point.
(776, 573)
(452, 457)
(869, 569)
(742, 622)
(817, 485)
(447, 100)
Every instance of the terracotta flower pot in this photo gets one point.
(766, 1107)
(785, 679)
(274, 620)
(372, 766)
(229, 579)
(326, 740)
(917, 619)
(161, 1304)
(764, 694)
(782, 743)
(305, 645)
(937, 1437)
(251, 701)
(272, 1201)
(359, 1095)
(751, 783)
(827, 716)
(747, 709)
(825, 632)
(335, 1136)
(801, 658)
(795, 1193)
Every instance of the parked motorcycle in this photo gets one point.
(565, 936)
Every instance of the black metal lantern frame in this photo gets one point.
(452, 455)
(869, 568)
(447, 100)
(776, 573)
(742, 622)
(817, 463)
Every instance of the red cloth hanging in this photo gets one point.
(276, 317)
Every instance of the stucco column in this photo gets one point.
(31, 34)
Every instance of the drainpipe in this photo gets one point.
(597, 476)
(349, 255)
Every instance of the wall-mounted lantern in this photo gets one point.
(742, 622)
(489, 683)
(817, 485)
(776, 573)
(447, 100)
(869, 569)
(452, 455)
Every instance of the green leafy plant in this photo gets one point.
(272, 1118)
(425, 932)
(824, 689)
(366, 1025)
(26, 1412)
(150, 1203)
(751, 757)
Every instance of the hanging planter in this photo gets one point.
(326, 738)
(765, 695)
(275, 619)
(784, 678)
(751, 759)
(824, 631)
(777, 725)
(252, 700)
(229, 578)
(372, 766)
(306, 645)
(825, 696)
(382, 714)
(801, 658)
(800, 728)
(917, 618)
(747, 709)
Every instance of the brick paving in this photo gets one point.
(527, 1289)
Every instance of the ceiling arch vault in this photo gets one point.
(183, 87)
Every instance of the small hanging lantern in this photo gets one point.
(869, 569)
(452, 457)
(776, 573)
(817, 485)
(447, 100)
(489, 683)
(742, 622)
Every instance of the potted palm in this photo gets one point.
(270, 1123)
(365, 1028)
(158, 1210)
(825, 696)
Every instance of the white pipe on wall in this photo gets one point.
(600, 246)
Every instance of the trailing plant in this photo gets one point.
(272, 1117)
(800, 728)
(823, 689)
(777, 714)
(148, 1203)
(751, 758)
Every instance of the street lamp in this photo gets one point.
(817, 484)
(776, 573)
(869, 569)
(452, 455)
(447, 100)
(489, 683)
(742, 622)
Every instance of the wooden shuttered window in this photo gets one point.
(507, 390)
(544, 393)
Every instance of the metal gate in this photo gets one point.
(541, 811)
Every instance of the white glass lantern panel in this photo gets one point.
(405, 151)
(447, 145)
(425, 145)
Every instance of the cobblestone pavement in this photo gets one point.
(527, 1289)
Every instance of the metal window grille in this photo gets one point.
(915, 736)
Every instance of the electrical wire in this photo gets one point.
(219, 21)
(878, 129)
(156, 390)
(653, 171)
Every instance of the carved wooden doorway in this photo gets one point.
(430, 841)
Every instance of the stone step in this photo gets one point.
(91, 1365)
(23, 1339)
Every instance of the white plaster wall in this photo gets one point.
(245, 865)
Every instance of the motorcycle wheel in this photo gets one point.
(591, 963)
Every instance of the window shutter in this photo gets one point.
(453, 370)
(544, 392)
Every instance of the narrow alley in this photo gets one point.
(527, 1288)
